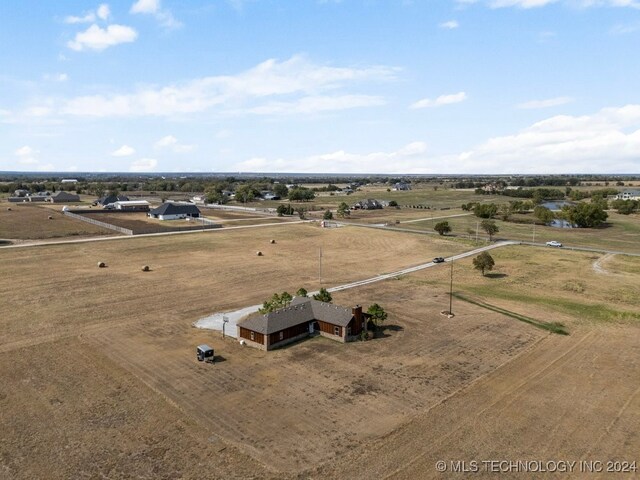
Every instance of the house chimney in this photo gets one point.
(357, 313)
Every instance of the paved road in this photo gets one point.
(437, 218)
(582, 249)
(215, 321)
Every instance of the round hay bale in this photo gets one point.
(50, 217)
(101, 264)
(272, 241)
(146, 268)
(259, 253)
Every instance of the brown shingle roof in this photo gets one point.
(301, 310)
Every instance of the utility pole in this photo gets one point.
(320, 266)
(534, 232)
(477, 226)
(451, 290)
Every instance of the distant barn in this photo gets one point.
(63, 197)
(175, 211)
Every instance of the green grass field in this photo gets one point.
(622, 232)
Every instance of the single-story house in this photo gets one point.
(175, 211)
(63, 197)
(69, 180)
(402, 186)
(108, 199)
(302, 318)
(629, 195)
(368, 204)
(270, 196)
(132, 206)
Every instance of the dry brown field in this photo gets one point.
(31, 222)
(99, 377)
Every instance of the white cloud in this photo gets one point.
(143, 165)
(171, 143)
(546, 103)
(449, 25)
(56, 77)
(103, 11)
(440, 101)
(97, 38)
(255, 90)
(26, 159)
(145, 6)
(606, 141)
(526, 4)
(152, 7)
(86, 18)
(25, 151)
(403, 160)
(316, 104)
(123, 151)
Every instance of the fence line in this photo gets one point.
(125, 231)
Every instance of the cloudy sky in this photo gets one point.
(395, 86)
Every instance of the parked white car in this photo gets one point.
(553, 243)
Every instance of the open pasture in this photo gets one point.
(119, 355)
(31, 222)
(621, 232)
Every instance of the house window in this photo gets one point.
(336, 331)
(253, 336)
(281, 335)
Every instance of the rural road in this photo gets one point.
(215, 321)
(129, 237)
(437, 218)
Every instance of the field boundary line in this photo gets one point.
(501, 397)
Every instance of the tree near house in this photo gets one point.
(442, 228)
(483, 262)
(378, 315)
(323, 296)
(302, 292)
(245, 193)
(276, 302)
(490, 227)
(281, 190)
(343, 210)
(327, 215)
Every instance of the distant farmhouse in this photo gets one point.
(368, 204)
(109, 199)
(628, 195)
(69, 180)
(174, 211)
(132, 206)
(402, 186)
(63, 197)
(302, 318)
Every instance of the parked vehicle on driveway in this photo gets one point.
(438, 260)
(553, 243)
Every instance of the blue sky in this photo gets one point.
(351, 86)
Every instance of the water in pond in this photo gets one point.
(556, 205)
(558, 223)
